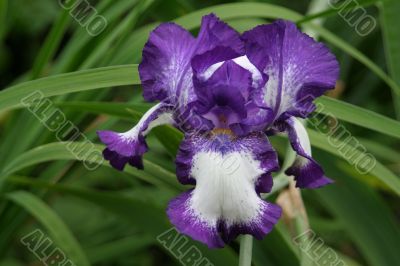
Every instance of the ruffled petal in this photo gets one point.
(119, 161)
(128, 147)
(223, 67)
(214, 32)
(299, 69)
(223, 96)
(229, 90)
(186, 222)
(229, 173)
(204, 65)
(306, 171)
(165, 69)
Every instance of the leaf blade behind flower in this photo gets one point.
(58, 231)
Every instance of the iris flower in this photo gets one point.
(227, 93)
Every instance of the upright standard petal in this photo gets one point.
(299, 69)
(214, 32)
(306, 171)
(128, 147)
(223, 96)
(165, 69)
(227, 91)
(229, 173)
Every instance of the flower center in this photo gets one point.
(222, 131)
(221, 140)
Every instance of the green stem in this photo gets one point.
(246, 250)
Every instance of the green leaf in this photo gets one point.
(81, 43)
(58, 231)
(71, 82)
(123, 28)
(359, 116)
(366, 218)
(153, 173)
(3, 19)
(379, 170)
(51, 44)
(378, 149)
(242, 25)
(127, 111)
(389, 20)
(170, 138)
(332, 11)
(121, 247)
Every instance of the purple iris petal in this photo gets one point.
(128, 147)
(214, 32)
(184, 161)
(120, 151)
(222, 97)
(227, 92)
(299, 69)
(204, 65)
(119, 161)
(221, 232)
(229, 173)
(123, 145)
(306, 171)
(165, 61)
(187, 223)
(165, 69)
(258, 118)
(270, 214)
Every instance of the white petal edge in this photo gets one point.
(302, 135)
(143, 127)
(242, 61)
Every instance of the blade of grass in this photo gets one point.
(70, 82)
(3, 19)
(126, 246)
(124, 27)
(331, 11)
(76, 49)
(382, 151)
(379, 170)
(368, 221)
(51, 44)
(359, 116)
(58, 231)
(389, 17)
(121, 110)
(153, 173)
